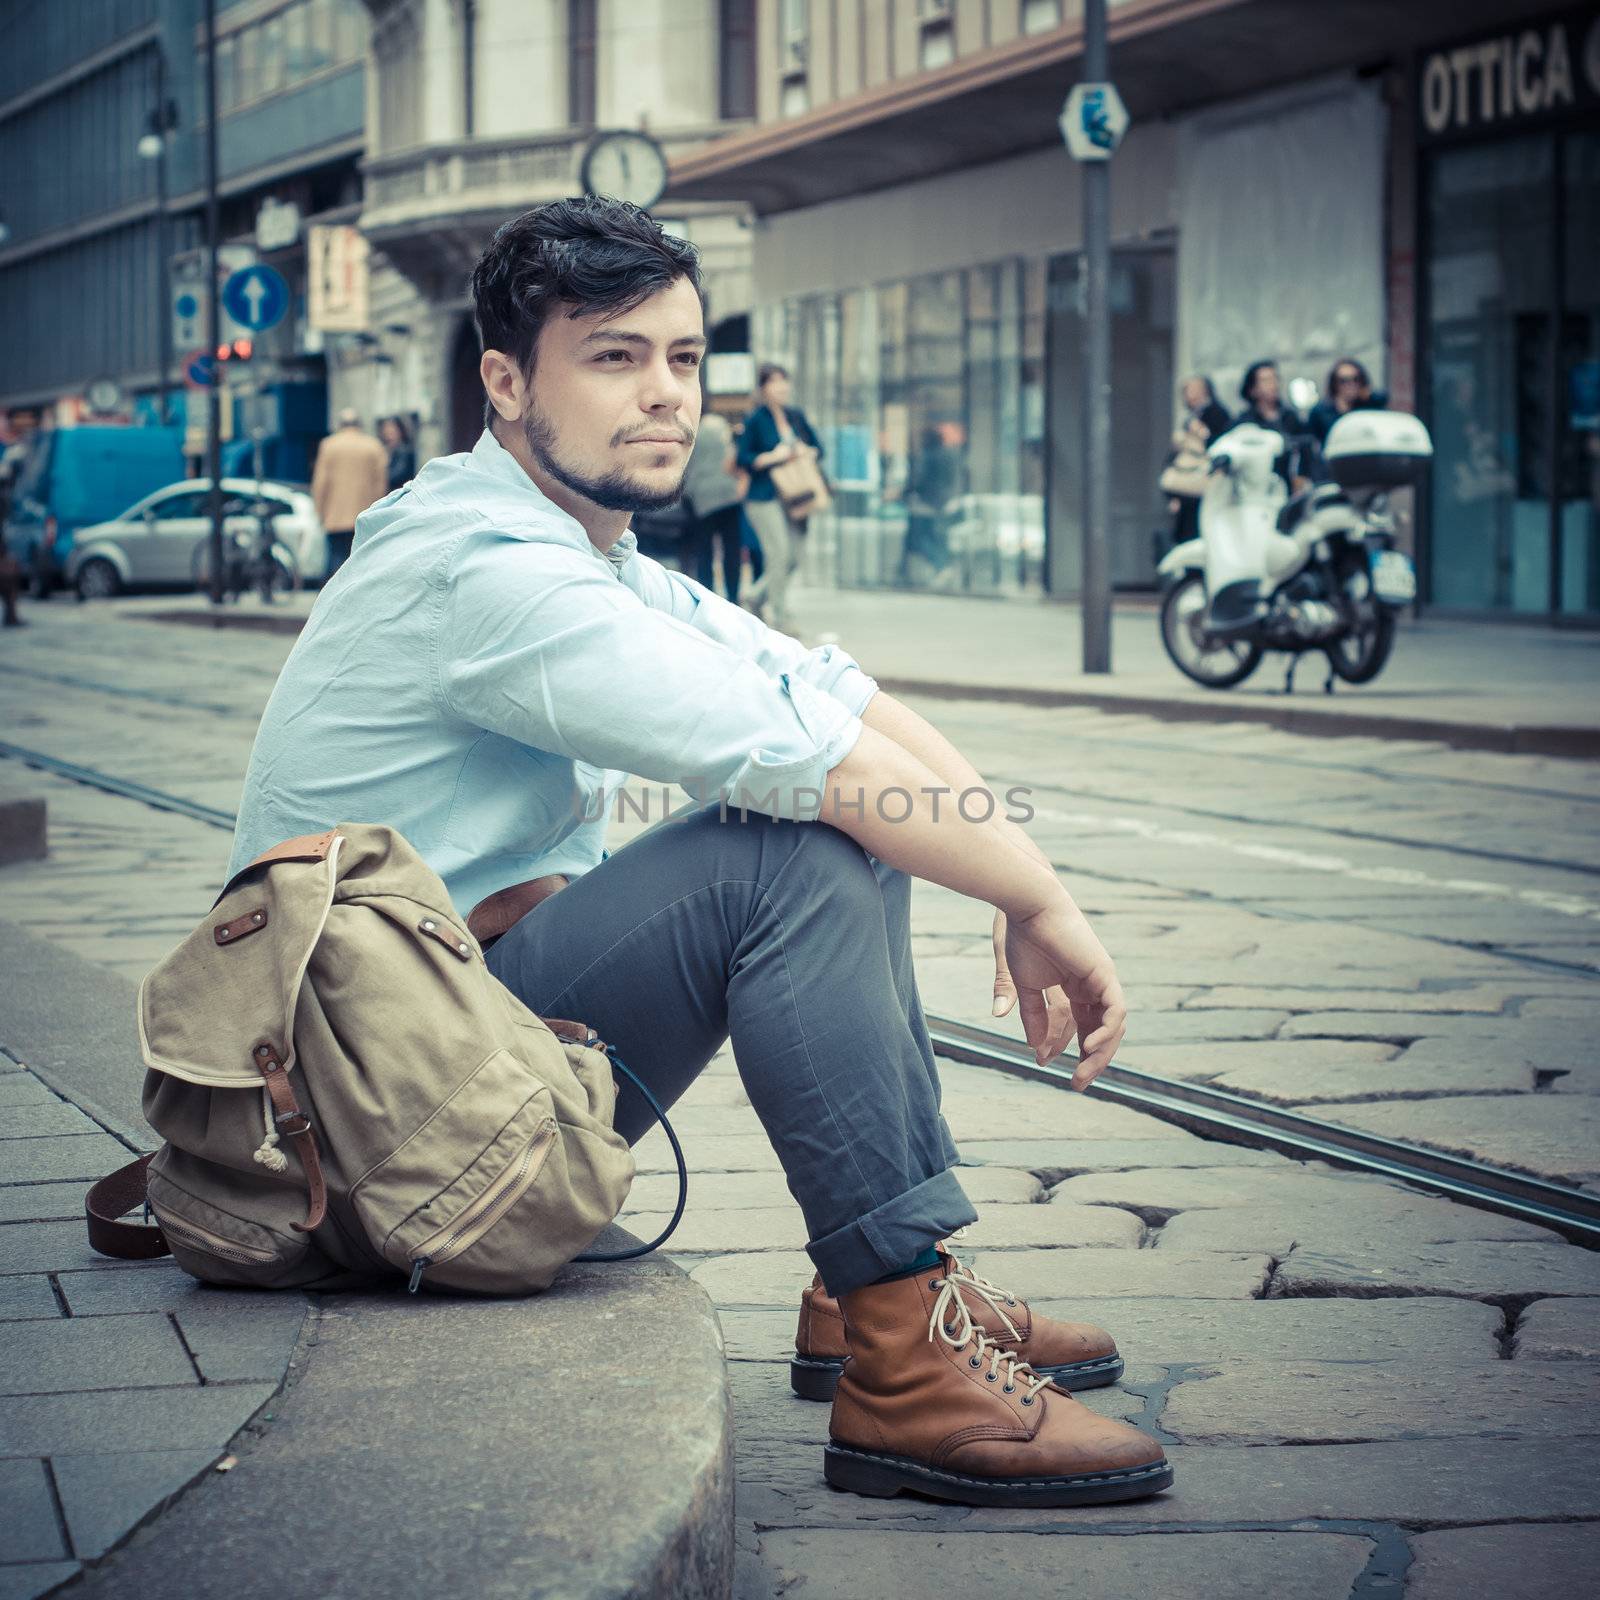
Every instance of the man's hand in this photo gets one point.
(1064, 983)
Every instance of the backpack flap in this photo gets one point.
(208, 1007)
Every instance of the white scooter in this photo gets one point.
(1317, 571)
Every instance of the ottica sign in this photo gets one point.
(1531, 74)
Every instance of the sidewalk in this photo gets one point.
(1472, 685)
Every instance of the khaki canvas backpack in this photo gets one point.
(345, 1089)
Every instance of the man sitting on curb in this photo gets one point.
(500, 657)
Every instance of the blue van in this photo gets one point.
(75, 477)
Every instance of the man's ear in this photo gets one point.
(503, 383)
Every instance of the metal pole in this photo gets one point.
(163, 244)
(1096, 597)
(213, 308)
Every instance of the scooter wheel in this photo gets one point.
(1212, 663)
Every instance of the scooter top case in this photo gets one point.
(1377, 450)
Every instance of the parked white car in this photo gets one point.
(154, 543)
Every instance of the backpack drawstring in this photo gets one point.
(268, 1153)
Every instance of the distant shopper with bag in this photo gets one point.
(1183, 478)
(780, 450)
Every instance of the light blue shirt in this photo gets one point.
(481, 678)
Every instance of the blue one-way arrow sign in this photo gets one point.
(256, 297)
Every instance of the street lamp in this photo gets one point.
(158, 128)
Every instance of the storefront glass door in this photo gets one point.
(1491, 218)
(1578, 590)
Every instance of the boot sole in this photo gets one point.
(815, 1378)
(881, 1477)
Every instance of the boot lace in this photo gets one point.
(996, 1298)
(952, 1322)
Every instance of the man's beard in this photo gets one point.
(614, 490)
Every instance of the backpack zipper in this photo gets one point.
(470, 1226)
(215, 1244)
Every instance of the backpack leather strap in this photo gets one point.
(290, 1119)
(113, 1197)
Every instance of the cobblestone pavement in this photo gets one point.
(1400, 935)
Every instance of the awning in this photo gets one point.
(1166, 56)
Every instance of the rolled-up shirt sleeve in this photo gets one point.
(828, 668)
(543, 645)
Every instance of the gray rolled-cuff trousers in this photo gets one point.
(790, 939)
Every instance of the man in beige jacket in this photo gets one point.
(351, 472)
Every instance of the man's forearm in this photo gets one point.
(896, 720)
(896, 807)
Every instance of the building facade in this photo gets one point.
(478, 109)
(102, 113)
(1404, 185)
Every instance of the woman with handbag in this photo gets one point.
(780, 451)
(1183, 477)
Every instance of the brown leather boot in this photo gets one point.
(1073, 1355)
(931, 1405)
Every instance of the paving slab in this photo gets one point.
(41, 1119)
(41, 1202)
(1559, 1330)
(1554, 1136)
(54, 1247)
(1479, 1270)
(104, 1496)
(1409, 1076)
(1415, 1483)
(127, 1419)
(1300, 1402)
(84, 1157)
(1367, 1228)
(1200, 1566)
(24, 1583)
(140, 1352)
(1164, 1146)
(1175, 1332)
(29, 1530)
(1313, 1059)
(27, 1297)
(1157, 1193)
(1489, 1563)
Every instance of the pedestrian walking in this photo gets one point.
(774, 432)
(352, 471)
(714, 488)
(396, 438)
(493, 679)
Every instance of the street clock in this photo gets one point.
(626, 166)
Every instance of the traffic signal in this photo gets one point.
(237, 350)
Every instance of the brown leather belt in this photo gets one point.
(502, 910)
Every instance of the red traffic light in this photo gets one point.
(239, 350)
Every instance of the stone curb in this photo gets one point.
(1574, 743)
(577, 1444)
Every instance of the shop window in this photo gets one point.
(737, 94)
(581, 76)
(227, 74)
(270, 42)
(1040, 16)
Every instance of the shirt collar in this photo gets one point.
(494, 458)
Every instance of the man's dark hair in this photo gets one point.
(587, 256)
(768, 372)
